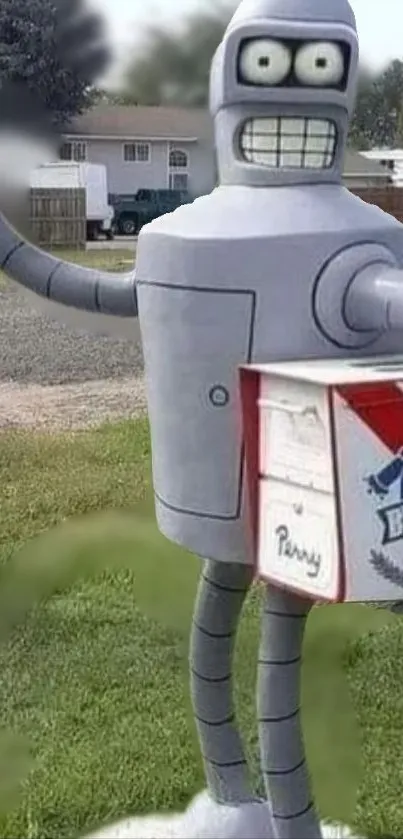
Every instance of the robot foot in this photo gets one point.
(337, 831)
(204, 819)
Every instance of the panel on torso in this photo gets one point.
(194, 339)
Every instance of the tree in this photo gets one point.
(173, 67)
(378, 117)
(392, 93)
(51, 51)
(368, 121)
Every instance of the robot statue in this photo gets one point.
(279, 262)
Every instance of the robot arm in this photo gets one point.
(375, 299)
(62, 282)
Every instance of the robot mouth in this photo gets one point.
(289, 142)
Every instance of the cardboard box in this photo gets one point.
(324, 460)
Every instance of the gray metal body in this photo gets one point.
(220, 283)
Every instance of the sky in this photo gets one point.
(380, 24)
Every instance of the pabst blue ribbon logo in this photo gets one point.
(386, 486)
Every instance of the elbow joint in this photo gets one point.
(353, 293)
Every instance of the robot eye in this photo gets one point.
(319, 64)
(264, 62)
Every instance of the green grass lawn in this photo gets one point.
(94, 679)
(95, 610)
(110, 260)
(375, 667)
(100, 257)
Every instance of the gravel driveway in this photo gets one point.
(36, 350)
(54, 377)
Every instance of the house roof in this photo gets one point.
(135, 122)
(356, 164)
(124, 121)
(383, 154)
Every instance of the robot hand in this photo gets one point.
(375, 299)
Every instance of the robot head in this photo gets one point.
(282, 91)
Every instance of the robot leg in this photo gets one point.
(222, 591)
(281, 744)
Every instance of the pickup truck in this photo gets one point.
(132, 212)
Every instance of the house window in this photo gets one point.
(179, 181)
(178, 170)
(136, 152)
(178, 159)
(75, 150)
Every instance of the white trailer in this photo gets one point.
(92, 177)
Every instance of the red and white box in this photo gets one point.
(324, 460)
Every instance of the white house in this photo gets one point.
(144, 147)
(391, 160)
(168, 148)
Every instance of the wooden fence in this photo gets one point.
(58, 218)
(388, 198)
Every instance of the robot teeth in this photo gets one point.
(289, 142)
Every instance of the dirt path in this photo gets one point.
(73, 406)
